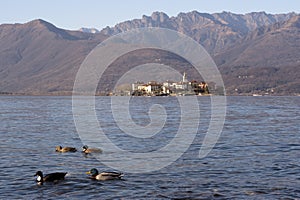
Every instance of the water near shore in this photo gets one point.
(256, 157)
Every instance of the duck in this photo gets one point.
(104, 176)
(86, 149)
(53, 177)
(65, 149)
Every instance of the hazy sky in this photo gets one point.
(74, 14)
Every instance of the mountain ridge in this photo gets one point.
(40, 58)
(228, 26)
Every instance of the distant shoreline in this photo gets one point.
(70, 95)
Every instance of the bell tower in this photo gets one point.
(184, 80)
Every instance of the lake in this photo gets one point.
(256, 156)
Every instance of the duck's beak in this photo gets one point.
(88, 172)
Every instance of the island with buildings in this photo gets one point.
(168, 88)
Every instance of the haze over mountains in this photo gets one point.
(255, 52)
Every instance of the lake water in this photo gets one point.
(256, 157)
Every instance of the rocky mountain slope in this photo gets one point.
(256, 52)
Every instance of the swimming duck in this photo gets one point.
(65, 149)
(53, 177)
(104, 176)
(86, 149)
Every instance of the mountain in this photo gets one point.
(39, 58)
(268, 59)
(215, 32)
(255, 52)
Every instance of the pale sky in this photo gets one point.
(74, 14)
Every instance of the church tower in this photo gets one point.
(184, 80)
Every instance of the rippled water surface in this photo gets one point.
(256, 157)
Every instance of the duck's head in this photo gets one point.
(58, 148)
(93, 172)
(84, 148)
(39, 175)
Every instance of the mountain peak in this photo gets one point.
(43, 25)
(159, 16)
(39, 22)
